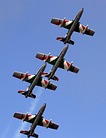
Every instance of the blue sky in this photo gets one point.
(79, 103)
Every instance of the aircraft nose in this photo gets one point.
(44, 104)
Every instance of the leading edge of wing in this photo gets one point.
(60, 22)
(25, 117)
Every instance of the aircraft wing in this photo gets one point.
(53, 125)
(89, 32)
(69, 67)
(84, 29)
(48, 124)
(62, 22)
(47, 58)
(24, 76)
(29, 78)
(68, 23)
(25, 117)
(47, 84)
(30, 119)
(52, 59)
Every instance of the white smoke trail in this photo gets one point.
(32, 108)
(35, 102)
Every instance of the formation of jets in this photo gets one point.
(38, 80)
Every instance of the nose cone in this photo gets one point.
(82, 9)
(44, 66)
(43, 107)
(65, 49)
(80, 12)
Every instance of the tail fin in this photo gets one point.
(25, 93)
(28, 133)
(48, 75)
(63, 39)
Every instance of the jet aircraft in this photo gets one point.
(36, 119)
(34, 80)
(72, 26)
(57, 61)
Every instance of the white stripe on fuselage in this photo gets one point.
(68, 23)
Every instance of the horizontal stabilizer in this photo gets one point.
(28, 133)
(63, 39)
(25, 93)
(48, 75)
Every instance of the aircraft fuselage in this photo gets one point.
(36, 121)
(36, 79)
(58, 62)
(74, 24)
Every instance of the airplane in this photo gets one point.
(36, 119)
(34, 80)
(72, 26)
(57, 61)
